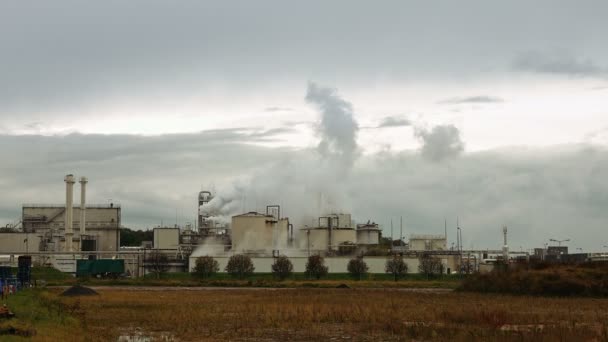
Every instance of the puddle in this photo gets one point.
(139, 335)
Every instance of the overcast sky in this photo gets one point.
(493, 112)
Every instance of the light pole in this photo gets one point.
(559, 242)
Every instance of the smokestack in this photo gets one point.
(83, 207)
(505, 247)
(69, 199)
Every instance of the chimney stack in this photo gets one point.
(83, 207)
(69, 199)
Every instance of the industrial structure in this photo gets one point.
(51, 227)
(63, 235)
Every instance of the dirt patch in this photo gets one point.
(78, 290)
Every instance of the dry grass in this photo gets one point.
(345, 314)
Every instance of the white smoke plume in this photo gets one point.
(439, 143)
(337, 128)
(308, 183)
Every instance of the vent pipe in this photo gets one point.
(83, 207)
(69, 200)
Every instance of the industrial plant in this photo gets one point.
(67, 236)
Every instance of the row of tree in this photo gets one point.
(241, 266)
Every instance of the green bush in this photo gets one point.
(554, 280)
(357, 268)
(315, 267)
(240, 266)
(282, 268)
(396, 266)
(205, 267)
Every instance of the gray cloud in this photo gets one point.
(559, 63)
(393, 121)
(278, 109)
(539, 193)
(441, 142)
(472, 99)
(66, 60)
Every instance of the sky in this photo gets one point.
(494, 113)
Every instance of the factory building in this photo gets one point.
(426, 242)
(101, 228)
(259, 233)
(331, 232)
(66, 227)
(166, 238)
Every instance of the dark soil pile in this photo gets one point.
(78, 290)
(343, 286)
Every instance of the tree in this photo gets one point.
(357, 268)
(157, 263)
(205, 267)
(315, 266)
(396, 266)
(240, 266)
(282, 267)
(130, 237)
(430, 265)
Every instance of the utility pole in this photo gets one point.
(392, 237)
(401, 232)
(559, 242)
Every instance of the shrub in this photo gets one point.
(282, 267)
(315, 267)
(240, 266)
(430, 265)
(205, 267)
(357, 268)
(396, 266)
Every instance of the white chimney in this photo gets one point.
(505, 247)
(69, 199)
(83, 207)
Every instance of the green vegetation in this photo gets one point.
(282, 267)
(240, 266)
(134, 238)
(396, 267)
(543, 280)
(40, 315)
(315, 267)
(357, 268)
(205, 267)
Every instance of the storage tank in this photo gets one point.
(317, 238)
(368, 234)
(254, 232)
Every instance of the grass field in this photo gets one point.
(53, 277)
(342, 314)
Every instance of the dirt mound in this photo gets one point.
(78, 290)
(343, 286)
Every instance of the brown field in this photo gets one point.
(338, 314)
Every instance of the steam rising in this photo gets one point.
(337, 129)
(310, 182)
(440, 143)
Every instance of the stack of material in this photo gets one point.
(78, 290)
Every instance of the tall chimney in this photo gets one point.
(505, 247)
(83, 207)
(69, 199)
